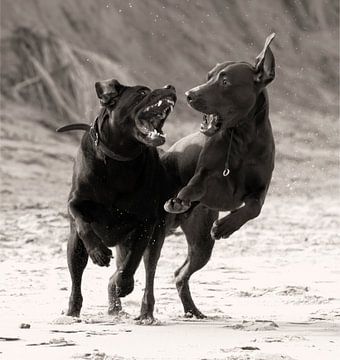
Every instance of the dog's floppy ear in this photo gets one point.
(265, 63)
(108, 91)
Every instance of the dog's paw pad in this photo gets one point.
(176, 206)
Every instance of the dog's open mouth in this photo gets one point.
(210, 125)
(150, 120)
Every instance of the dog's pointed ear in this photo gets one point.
(108, 91)
(265, 63)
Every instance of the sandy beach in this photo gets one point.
(272, 290)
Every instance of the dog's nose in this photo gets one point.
(170, 87)
(190, 95)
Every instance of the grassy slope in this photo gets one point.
(157, 42)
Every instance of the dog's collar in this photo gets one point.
(99, 143)
(226, 170)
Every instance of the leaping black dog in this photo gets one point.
(225, 167)
(117, 192)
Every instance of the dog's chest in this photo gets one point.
(116, 182)
(243, 160)
(224, 193)
(131, 186)
(122, 180)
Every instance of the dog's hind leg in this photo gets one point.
(196, 228)
(151, 257)
(115, 305)
(77, 260)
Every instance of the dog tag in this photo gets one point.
(226, 172)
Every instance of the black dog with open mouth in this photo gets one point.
(136, 111)
(227, 166)
(231, 100)
(116, 187)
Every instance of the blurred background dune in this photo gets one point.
(53, 51)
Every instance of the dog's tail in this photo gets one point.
(71, 127)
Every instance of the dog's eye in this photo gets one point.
(142, 92)
(226, 82)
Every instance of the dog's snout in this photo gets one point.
(170, 87)
(190, 95)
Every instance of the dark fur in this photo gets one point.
(236, 92)
(115, 202)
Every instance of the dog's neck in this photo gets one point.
(115, 139)
(248, 128)
(261, 108)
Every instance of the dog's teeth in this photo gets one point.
(171, 107)
(170, 102)
(153, 134)
(159, 103)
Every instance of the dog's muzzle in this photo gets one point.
(150, 119)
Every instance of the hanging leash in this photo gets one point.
(226, 170)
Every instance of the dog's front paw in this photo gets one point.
(124, 284)
(223, 228)
(194, 313)
(101, 255)
(177, 206)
